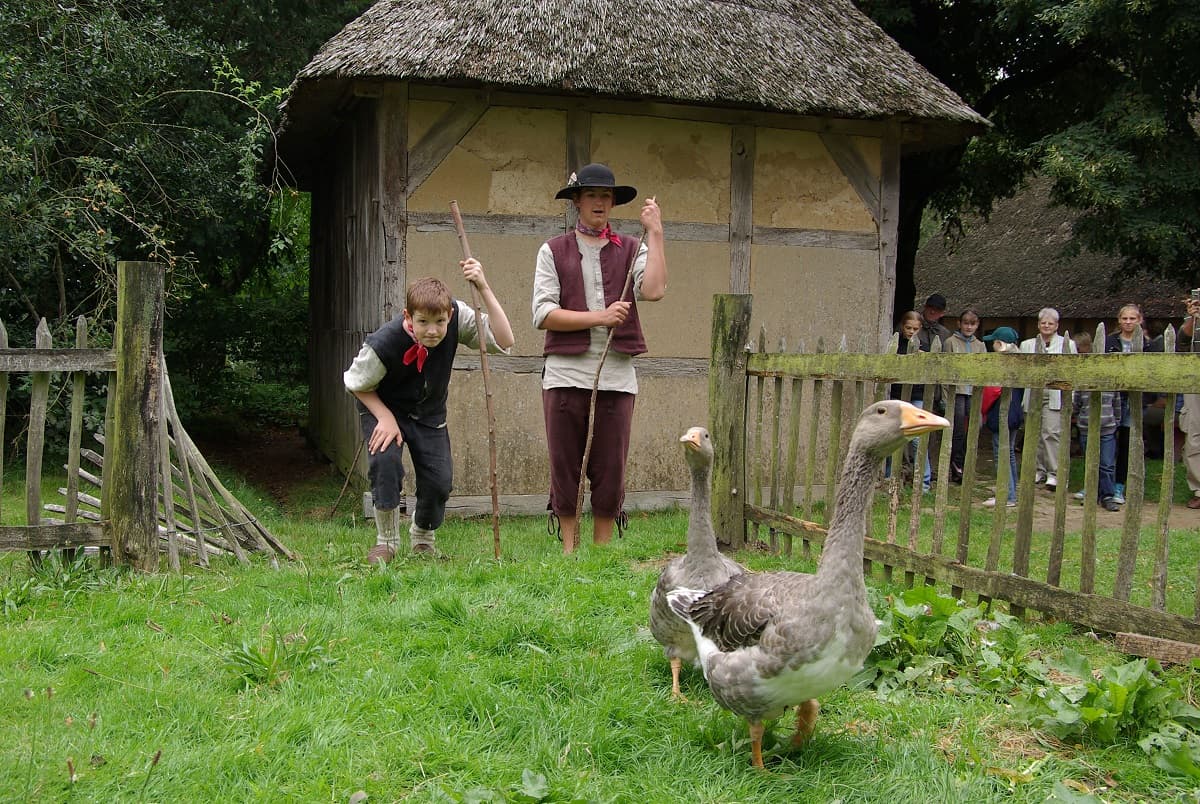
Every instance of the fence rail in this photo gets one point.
(774, 474)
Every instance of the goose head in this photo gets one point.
(697, 448)
(887, 424)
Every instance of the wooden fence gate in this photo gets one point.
(773, 473)
(145, 501)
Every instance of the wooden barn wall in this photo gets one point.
(765, 209)
(345, 277)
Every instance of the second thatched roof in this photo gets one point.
(818, 57)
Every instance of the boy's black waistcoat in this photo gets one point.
(419, 395)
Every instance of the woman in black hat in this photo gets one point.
(577, 291)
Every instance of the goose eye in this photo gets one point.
(881, 410)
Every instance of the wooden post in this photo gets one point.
(133, 522)
(727, 414)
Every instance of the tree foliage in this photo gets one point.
(134, 130)
(1098, 95)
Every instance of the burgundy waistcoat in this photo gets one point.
(615, 262)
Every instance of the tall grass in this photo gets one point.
(464, 679)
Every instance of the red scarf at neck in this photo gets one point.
(606, 232)
(417, 352)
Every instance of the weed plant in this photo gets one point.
(532, 678)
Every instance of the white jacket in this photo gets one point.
(1058, 346)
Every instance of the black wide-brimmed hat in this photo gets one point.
(597, 175)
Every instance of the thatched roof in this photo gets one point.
(807, 57)
(1011, 266)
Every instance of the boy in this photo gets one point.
(577, 285)
(401, 378)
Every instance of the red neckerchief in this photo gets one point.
(417, 352)
(606, 232)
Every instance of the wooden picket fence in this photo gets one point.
(782, 420)
(151, 489)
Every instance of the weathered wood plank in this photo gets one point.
(1137, 372)
(814, 238)
(755, 457)
(1158, 595)
(888, 223)
(741, 207)
(776, 449)
(35, 442)
(1167, 651)
(1058, 533)
(1135, 485)
(726, 406)
(50, 359)
(793, 451)
(52, 537)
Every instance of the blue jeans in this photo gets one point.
(1108, 462)
(1012, 462)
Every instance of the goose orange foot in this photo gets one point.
(806, 721)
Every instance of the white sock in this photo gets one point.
(418, 535)
(387, 528)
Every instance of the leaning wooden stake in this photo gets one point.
(487, 386)
(587, 446)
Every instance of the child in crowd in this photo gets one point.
(910, 328)
(1111, 411)
(962, 342)
(1004, 340)
(401, 378)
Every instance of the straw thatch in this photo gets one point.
(1012, 265)
(822, 58)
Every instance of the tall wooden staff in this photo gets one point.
(487, 386)
(587, 447)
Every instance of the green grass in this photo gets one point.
(464, 679)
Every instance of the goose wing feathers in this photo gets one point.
(738, 613)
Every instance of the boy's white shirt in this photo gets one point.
(367, 370)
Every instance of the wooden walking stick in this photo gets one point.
(587, 447)
(487, 387)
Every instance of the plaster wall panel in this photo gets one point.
(798, 185)
(508, 262)
(680, 324)
(509, 163)
(685, 164)
(814, 292)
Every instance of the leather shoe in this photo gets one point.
(1194, 503)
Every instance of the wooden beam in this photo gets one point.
(727, 414)
(815, 238)
(741, 207)
(889, 222)
(670, 111)
(53, 537)
(395, 183)
(446, 132)
(854, 167)
(132, 486)
(1091, 372)
(1168, 651)
(30, 360)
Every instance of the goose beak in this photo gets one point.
(691, 439)
(914, 421)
